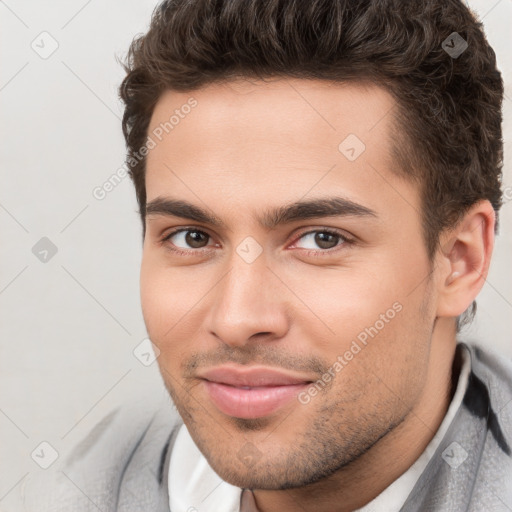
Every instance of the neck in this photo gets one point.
(365, 478)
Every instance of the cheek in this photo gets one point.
(346, 300)
(170, 301)
(159, 298)
(157, 309)
(375, 316)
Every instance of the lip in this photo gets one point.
(252, 377)
(251, 392)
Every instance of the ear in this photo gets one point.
(464, 259)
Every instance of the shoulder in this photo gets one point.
(121, 457)
(494, 370)
(489, 401)
(489, 393)
(489, 397)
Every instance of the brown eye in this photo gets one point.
(326, 240)
(321, 239)
(188, 239)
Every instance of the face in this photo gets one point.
(284, 276)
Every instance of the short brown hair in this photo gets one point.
(448, 131)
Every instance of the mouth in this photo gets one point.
(251, 393)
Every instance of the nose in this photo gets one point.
(249, 303)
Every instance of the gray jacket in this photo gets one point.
(123, 464)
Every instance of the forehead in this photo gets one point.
(279, 139)
(269, 111)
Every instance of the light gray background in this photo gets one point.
(69, 326)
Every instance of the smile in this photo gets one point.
(252, 392)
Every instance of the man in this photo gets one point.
(319, 186)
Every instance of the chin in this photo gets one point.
(272, 475)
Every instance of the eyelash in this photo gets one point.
(345, 242)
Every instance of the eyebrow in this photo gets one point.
(273, 217)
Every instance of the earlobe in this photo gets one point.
(465, 259)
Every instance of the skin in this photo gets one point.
(249, 147)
